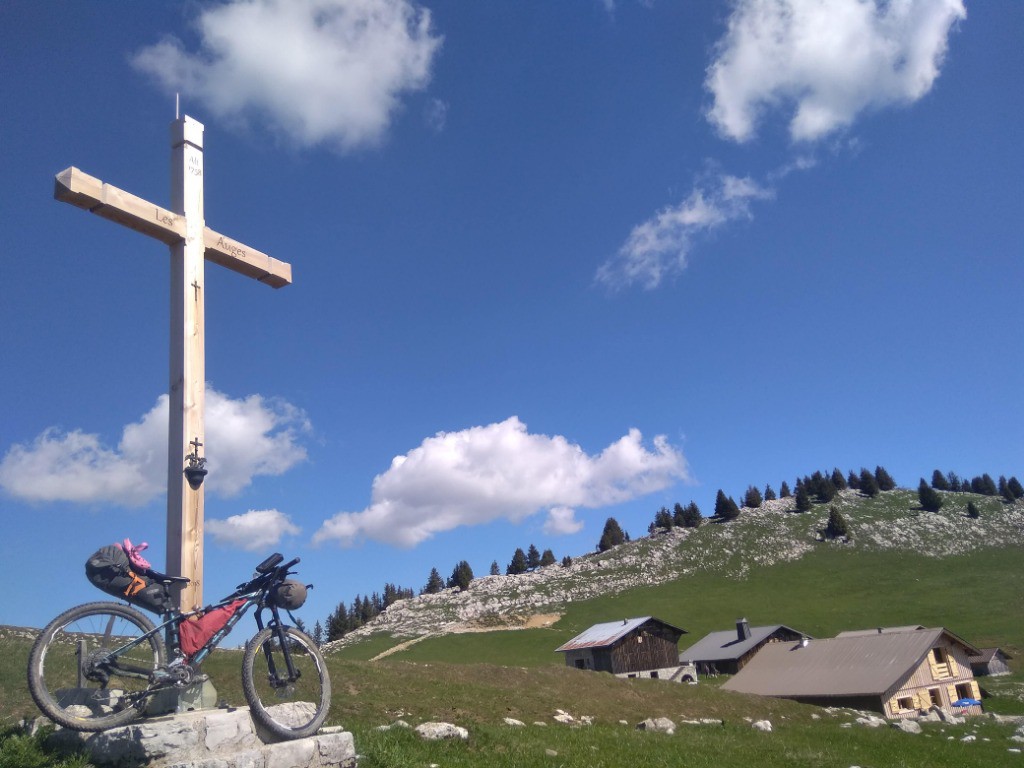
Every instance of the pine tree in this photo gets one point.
(784, 492)
(803, 499)
(988, 485)
(955, 484)
(692, 518)
(825, 491)
(836, 524)
(725, 507)
(853, 481)
(663, 519)
(566, 561)
(1004, 490)
(679, 515)
(532, 557)
(337, 623)
(769, 494)
(1015, 488)
(461, 576)
(434, 583)
(318, 634)
(495, 571)
(930, 499)
(518, 564)
(547, 558)
(611, 536)
(972, 510)
(939, 481)
(752, 498)
(838, 480)
(884, 480)
(868, 484)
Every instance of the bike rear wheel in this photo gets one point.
(290, 703)
(73, 676)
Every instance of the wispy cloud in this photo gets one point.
(245, 438)
(501, 471)
(825, 63)
(256, 530)
(316, 71)
(658, 248)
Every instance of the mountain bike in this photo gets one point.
(99, 665)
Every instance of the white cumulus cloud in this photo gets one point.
(244, 438)
(658, 248)
(257, 529)
(825, 62)
(317, 71)
(501, 471)
(561, 521)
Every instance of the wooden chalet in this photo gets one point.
(898, 672)
(643, 646)
(727, 652)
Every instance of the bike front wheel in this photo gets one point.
(89, 668)
(287, 686)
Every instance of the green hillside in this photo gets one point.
(903, 566)
(460, 658)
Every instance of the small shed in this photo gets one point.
(726, 652)
(991, 661)
(630, 646)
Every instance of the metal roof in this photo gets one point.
(880, 630)
(726, 645)
(852, 665)
(602, 635)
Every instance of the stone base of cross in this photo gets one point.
(192, 243)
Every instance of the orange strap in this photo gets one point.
(137, 585)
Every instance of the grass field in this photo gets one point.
(476, 680)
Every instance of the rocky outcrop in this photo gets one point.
(760, 537)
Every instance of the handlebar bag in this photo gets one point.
(197, 631)
(109, 570)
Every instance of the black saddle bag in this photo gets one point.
(109, 570)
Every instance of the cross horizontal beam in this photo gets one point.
(84, 191)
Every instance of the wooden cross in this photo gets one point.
(191, 242)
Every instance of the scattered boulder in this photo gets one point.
(441, 731)
(762, 725)
(514, 723)
(658, 725)
(550, 753)
(907, 726)
(871, 721)
(396, 724)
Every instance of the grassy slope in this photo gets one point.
(476, 680)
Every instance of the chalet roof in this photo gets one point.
(850, 665)
(880, 630)
(985, 655)
(603, 635)
(726, 645)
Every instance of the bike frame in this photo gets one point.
(254, 593)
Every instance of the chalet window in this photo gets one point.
(905, 702)
(965, 691)
(654, 675)
(935, 696)
(581, 664)
(940, 663)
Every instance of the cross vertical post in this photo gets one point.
(183, 228)
(187, 386)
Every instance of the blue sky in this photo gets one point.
(553, 262)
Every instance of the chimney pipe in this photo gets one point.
(742, 630)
